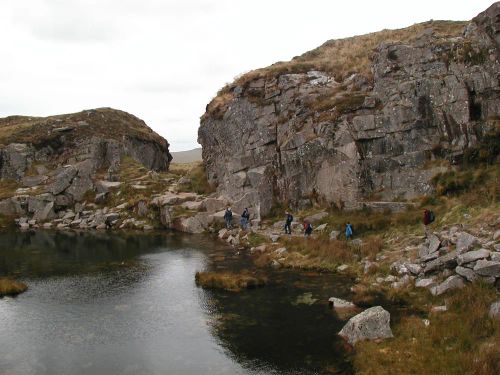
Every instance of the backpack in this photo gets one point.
(431, 216)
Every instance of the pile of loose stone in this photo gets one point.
(89, 216)
(449, 259)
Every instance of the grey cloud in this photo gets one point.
(165, 87)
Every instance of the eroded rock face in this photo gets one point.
(299, 138)
(56, 159)
(86, 140)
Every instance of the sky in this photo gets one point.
(164, 60)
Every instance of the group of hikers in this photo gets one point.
(307, 226)
(428, 218)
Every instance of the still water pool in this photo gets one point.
(103, 303)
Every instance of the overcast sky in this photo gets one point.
(163, 60)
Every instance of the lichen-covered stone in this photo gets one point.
(373, 323)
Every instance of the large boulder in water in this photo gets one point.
(371, 324)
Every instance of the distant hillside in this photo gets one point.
(189, 156)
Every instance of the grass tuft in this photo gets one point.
(229, 281)
(9, 287)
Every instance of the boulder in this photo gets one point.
(434, 243)
(142, 208)
(46, 213)
(316, 218)
(320, 228)
(259, 249)
(438, 309)
(212, 205)
(494, 312)
(451, 283)
(472, 256)
(103, 186)
(166, 216)
(192, 205)
(223, 234)
(101, 198)
(12, 207)
(467, 273)
(401, 283)
(465, 242)
(334, 235)
(371, 324)
(425, 282)
(446, 261)
(193, 224)
(339, 304)
(63, 201)
(399, 267)
(342, 267)
(487, 268)
(414, 269)
(31, 181)
(62, 180)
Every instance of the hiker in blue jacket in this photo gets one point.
(348, 231)
(245, 218)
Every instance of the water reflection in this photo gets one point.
(126, 303)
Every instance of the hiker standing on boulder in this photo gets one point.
(245, 218)
(228, 217)
(348, 231)
(288, 222)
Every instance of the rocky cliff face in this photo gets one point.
(54, 161)
(313, 130)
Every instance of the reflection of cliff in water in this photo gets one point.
(48, 253)
(284, 328)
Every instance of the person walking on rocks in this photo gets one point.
(228, 217)
(288, 222)
(348, 231)
(245, 218)
(307, 228)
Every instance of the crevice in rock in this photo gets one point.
(475, 111)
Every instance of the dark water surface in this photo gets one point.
(102, 303)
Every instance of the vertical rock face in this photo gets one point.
(295, 138)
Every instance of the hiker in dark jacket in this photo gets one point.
(428, 218)
(245, 218)
(348, 231)
(288, 222)
(228, 217)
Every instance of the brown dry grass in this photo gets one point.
(233, 282)
(343, 57)
(8, 188)
(323, 253)
(339, 58)
(463, 340)
(9, 287)
(106, 122)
